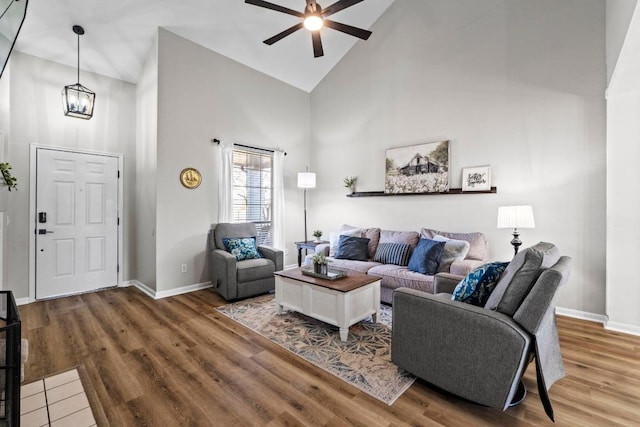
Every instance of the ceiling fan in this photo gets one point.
(314, 18)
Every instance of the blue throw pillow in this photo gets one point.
(393, 253)
(355, 248)
(478, 285)
(426, 257)
(242, 247)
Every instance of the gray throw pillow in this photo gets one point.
(355, 248)
(453, 250)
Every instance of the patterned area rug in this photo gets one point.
(363, 361)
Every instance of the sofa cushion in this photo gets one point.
(350, 247)
(426, 256)
(393, 253)
(454, 250)
(478, 285)
(395, 276)
(389, 236)
(522, 272)
(255, 269)
(478, 249)
(351, 265)
(373, 234)
(242, 247)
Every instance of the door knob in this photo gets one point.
(44, 231)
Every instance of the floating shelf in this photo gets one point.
(451, 191)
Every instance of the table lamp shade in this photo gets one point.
(306, 180)
(516, 217)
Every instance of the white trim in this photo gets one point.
(183, 290)
(32, 207)
(168, 293)
(622, 327)
(584, 315)
(23, 301)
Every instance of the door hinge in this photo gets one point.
(118, 174)
(118, 269)
(118, 220)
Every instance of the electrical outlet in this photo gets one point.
(184, 268)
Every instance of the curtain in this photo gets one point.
(225, 177)
(278, 200)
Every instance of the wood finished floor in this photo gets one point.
(177, 362)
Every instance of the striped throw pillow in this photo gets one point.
(393, 253)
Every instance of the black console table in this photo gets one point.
(309, 244)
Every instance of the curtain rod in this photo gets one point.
(217, 141)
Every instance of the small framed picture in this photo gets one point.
(476, 178)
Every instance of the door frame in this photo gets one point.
(32, 208)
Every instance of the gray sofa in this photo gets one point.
(240, 279)
(481, 353)
(396, 276)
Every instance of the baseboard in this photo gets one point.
(583, 315)
(23, 301)
(168, 293)
(623, 327)
(183, 290)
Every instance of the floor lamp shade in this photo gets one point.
(306, 180)
(516, 217)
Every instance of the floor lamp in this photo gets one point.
(306, 180)
(516, 217)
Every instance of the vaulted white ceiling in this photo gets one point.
(119, 34)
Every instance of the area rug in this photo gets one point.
(364, 361)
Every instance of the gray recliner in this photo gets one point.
(481, 353)
(241, 279)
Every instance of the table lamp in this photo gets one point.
(516, 217)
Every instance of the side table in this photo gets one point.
(309, 244)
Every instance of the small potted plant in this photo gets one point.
(317, 234)
(320, 263)
(9, 180)
(350, 183)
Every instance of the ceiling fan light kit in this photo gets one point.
(77, 100)
(313, 19)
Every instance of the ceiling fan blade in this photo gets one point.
(338, 6)
(317, 44)
(277, 8)
(348, 29)
(285, 33)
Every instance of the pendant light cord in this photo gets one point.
(78, 58)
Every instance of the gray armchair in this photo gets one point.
(481, 353)
(240, 279)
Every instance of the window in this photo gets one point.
(252, 189)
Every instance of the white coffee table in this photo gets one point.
(342, 302)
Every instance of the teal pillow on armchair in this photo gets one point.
(478, 285)
(242, 248)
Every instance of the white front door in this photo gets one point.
(76, 222)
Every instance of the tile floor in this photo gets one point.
(56, 401)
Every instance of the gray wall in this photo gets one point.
(518, 85)
(36, 117)
(203, 95)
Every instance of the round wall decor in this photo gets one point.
(190, 177)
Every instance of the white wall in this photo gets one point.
(146, 170)
(36, 117)
(619, 13)
(518, 85)
(623, 199)
(203, 95)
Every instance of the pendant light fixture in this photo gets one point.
(78, 100)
